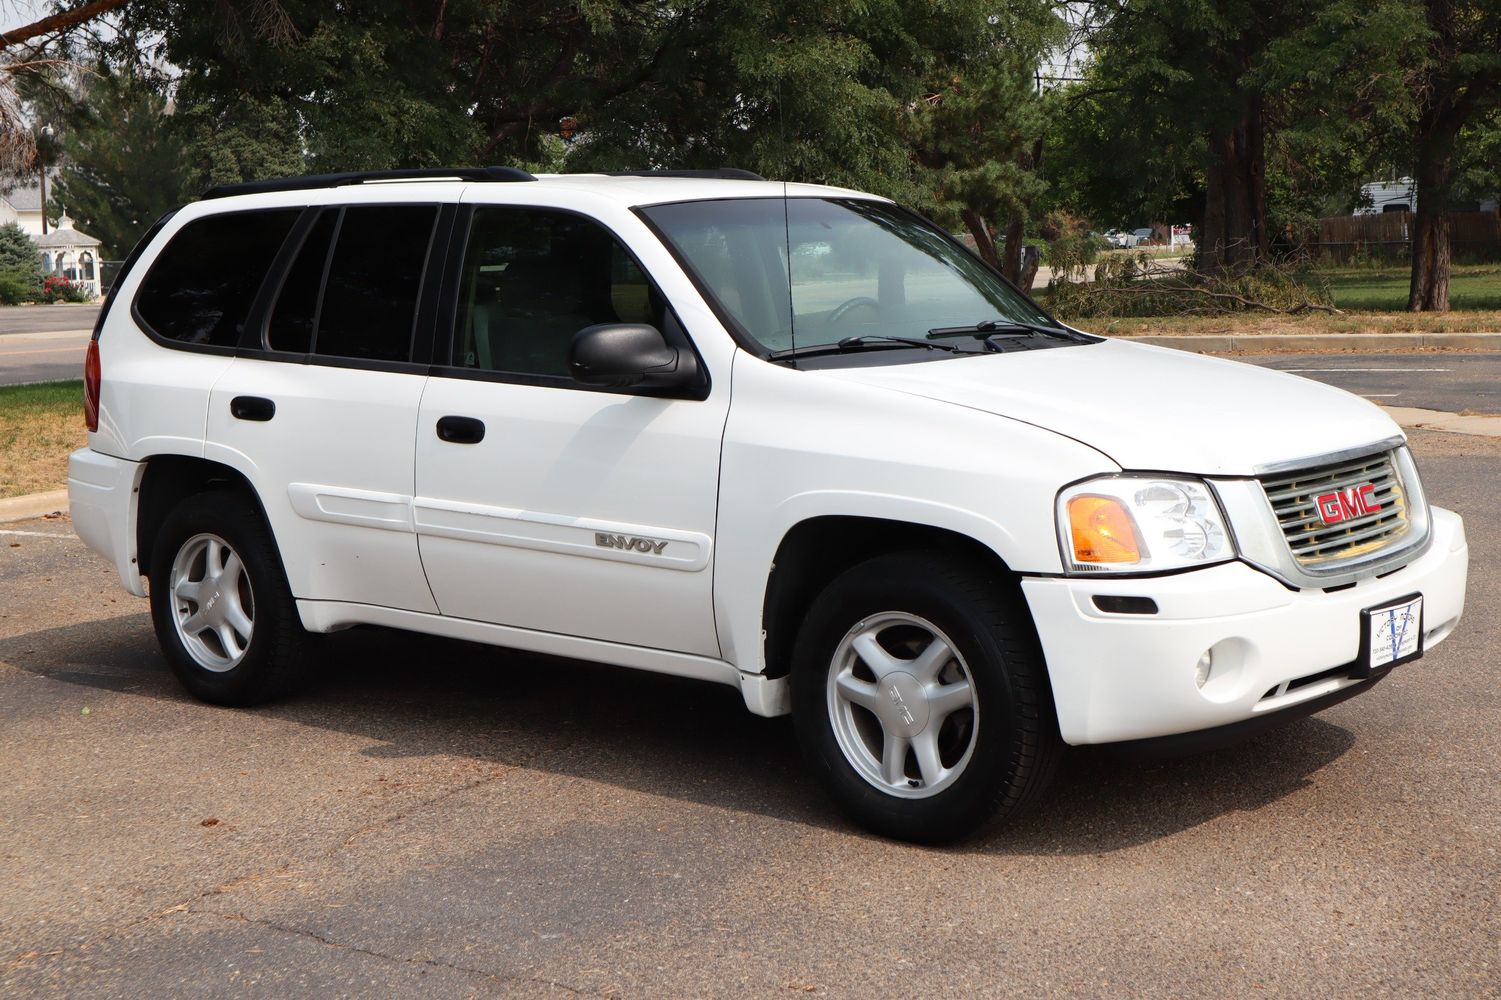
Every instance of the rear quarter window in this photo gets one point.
(200, 288)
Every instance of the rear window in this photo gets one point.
(369, 305)
(200, 287)
(352, 290)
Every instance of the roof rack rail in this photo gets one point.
(722, 173)
(364, 176)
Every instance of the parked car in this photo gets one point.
(1142, 236)
(617, 419)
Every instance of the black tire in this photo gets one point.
(1015, 748)
(272, 663)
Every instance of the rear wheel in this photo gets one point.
(224, 616)
(920, 698)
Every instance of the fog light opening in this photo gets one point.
(1205, 669)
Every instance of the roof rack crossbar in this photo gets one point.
(721, 173)
(495, 174)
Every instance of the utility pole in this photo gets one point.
(41, 156)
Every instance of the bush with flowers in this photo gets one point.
(57, 288)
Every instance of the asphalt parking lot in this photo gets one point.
(435, 818)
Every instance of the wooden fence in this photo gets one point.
(1389, 234)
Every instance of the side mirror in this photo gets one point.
(629, 354)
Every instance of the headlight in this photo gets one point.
(1140, 524)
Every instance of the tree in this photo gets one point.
(17, 251)
(1184, 94)
(23, 50)
(979, 130)
(124, 160)
(845, 92)
(1459, 83)
(20, 265)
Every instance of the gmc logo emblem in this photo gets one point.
(1357, 501)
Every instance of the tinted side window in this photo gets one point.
(369, 305)
(201, 286)
(294, 317)
(533, 278)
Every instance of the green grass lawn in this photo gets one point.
(1373, 299)
(1384, 289)
(39, 426)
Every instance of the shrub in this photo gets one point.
(57, 288)
(17, 251)
(17, 285)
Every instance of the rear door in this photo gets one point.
(322, 403)
(559, 507)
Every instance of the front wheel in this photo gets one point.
(224, 616)
(920, 697)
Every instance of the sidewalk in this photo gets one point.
(1292, 343)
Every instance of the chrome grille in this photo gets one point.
(1294, 499)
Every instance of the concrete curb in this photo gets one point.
(1234, 343)
(33, 505)
(1439, 420)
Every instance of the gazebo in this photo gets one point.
(71, 253)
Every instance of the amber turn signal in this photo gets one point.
(1103, 531)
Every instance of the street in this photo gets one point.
(63, 316)
(1433, 380)
(436, 818)
(44, 343)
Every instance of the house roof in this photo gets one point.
(64, 238)
(24, 198)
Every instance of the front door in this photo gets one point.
(544, 504)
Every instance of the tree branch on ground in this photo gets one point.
(1135, 285)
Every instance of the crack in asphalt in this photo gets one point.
(500, 771)
(496, 977)
(187, 906)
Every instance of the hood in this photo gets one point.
(1149, 408)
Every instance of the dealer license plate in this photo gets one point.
(1392, 633)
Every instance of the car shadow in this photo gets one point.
(414, 696)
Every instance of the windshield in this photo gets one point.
(830, 269)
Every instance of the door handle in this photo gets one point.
(251, 408)
(461, 430)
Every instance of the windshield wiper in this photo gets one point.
(987, 328)
(860, 344)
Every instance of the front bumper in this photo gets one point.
(1119, 677)
(102, 495)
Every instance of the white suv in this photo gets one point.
(790, 438)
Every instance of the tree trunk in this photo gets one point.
(1028, 270)
(1233, 235)
(981, 232)
(1429, 288)
(1011, 260)
(1026, 265)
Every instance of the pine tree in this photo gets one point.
(20, 265)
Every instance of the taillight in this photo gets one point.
(91, 379)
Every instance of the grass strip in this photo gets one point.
(39, 426)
